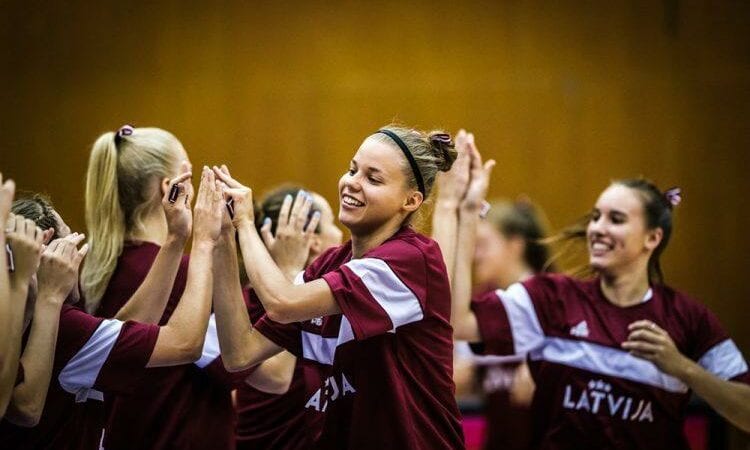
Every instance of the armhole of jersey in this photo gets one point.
(80, 373)
(724, 360)
(211, 349)
(524, 324)
(398, 301)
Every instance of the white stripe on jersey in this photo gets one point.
(322, 349)
(724, 360)
(80, 373)
(524, 324)
(606, 361)
(211, 349)
(398, 301)
(299, 278)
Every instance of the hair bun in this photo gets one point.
(443, 149)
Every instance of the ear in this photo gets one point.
(413, 201)
(164, 186)
(653, 238)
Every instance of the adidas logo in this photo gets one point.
(580, 330)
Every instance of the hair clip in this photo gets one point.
(673, 196)
(125, 130)
(441, 138)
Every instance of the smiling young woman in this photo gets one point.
(372, 315)
(614, 357)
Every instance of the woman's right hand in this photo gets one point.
(241, 196)
(178, 213)
(58, 270)
(7, 191)
(209, 208)
(479, 178)
(25, 240)
(452, 185)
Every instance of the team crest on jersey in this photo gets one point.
(333, 389)
(598, 398)
(581, 329)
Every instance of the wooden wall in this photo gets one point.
(565, 95)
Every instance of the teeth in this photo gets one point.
(599, 246)
(351, 201)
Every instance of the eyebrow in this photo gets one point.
(369, 169)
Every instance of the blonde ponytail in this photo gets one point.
(105, 220)
(119, 195)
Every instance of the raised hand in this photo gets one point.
(58, 270)
(25, 240)
(209, 208)
(177, 202)
(240, 195)
(452, 185)
(290, 247)
(479, 179)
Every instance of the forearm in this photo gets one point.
(148, 302)
(29, 397)
(12, 346)
(232, 319)
(444, 232)
(729, 398)
(462, 318)
(190, 318)
(270, 283)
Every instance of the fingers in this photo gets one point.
(75, 238)
(7, 192)
(284, 212)
(313, 225)
(300, 210)
(644, 324)
(47, 235)
(642, 348)
(222, 173)
(265, 233)
(83, 251)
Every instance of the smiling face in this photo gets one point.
(373, 193)
(617, 236)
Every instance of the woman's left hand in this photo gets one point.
(479, 178)
(290, 247)
(649, 341)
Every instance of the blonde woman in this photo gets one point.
(137, 238)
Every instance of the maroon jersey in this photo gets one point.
(270, 420)
(385, 364)
(181, 407)
(590, 392)
(93, 356)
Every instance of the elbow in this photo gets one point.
(26, 416)
(280, 312)
(235, 363)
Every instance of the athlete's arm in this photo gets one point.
(181, 339)
(283, 301)
(730, 399)
(149, 300)
(465, 326)
(58, 274)
(25, 239)
(7, 190)
(274, 375)
(451, 191)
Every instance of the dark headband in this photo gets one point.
(409, 157)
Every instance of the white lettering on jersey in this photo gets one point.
(332, 390)
(317, 321)
(580, 330)
(591, 400)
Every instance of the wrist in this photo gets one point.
(175, 240)
(686, 370)
(203, 243)
(447, 204)
(50, 297)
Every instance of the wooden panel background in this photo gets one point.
(566, 96)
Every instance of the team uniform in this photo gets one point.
(273, 421)
(93, 356)
(181, 407)
(590, 392)
(384, 365)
